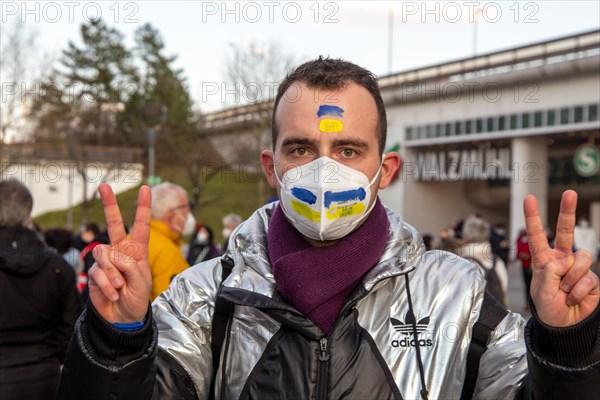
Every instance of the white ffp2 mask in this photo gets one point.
(190, 225)
(324, 199)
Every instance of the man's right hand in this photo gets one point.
(120, 280)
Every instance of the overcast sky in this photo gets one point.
(424, 33)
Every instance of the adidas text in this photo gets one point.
(411, 343)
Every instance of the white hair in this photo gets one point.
(232, 220)
(166, 196)
(476, 230)
(16, 203)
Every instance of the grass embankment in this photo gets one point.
(225, 192)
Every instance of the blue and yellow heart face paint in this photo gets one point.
(330, 125)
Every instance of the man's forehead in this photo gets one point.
(350, 102)
(349, 113)
(299, 94)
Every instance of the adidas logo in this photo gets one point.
(408, 329)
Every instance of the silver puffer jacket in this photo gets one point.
(272, 351)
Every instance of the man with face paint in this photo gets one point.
(330, 295)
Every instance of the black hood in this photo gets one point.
(21, 251)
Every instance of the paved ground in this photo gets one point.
(516, 290)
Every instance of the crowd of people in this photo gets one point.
(489, 247)
(44, 279)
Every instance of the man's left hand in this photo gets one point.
(563, 289)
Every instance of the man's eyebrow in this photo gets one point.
(294, 141)
(351, 142)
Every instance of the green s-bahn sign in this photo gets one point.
(587, 160)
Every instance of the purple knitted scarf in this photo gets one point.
(317, 280)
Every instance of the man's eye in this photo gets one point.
(300, 151)
(348, 152)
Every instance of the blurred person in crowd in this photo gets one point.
(35, 228)
(38, 303)
(458, 226)
(585, 237)
(550, 235)
(328, 293)
(61, 240)
(449, 241)
(202, 245)
(524, 257)
(171, 220)
(88, 233)
(90, 236)
(500, 243)
(428, 241)
(477, 249)
(230, 222)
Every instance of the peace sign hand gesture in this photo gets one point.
(120, 280)
(563, 288)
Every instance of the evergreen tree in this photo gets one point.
(161, 83)
(180, 141)
(104, 77)
(90, 100)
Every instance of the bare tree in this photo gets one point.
(255, 70)
(17, 46)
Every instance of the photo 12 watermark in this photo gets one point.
(72, 11)
(238, 92)
(253, 12)
(69, 171)
(471, 11)
(471, 91)
(67, 92)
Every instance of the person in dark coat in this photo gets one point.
(39, 303)
(62, 241)
(499, 242)
(202, 245)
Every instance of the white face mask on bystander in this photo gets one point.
(202, 236)
(190, 225)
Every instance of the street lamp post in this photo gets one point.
(478, 13)
(153, 118)
(151, 136)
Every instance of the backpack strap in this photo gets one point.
(490, 315)
(223, 310)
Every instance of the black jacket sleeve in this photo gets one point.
(104, 362)
(70, 308)
(564, 363)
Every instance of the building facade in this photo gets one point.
(478, 135)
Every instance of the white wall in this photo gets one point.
(432, 206)
(57, 185)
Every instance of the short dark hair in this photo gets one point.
(16, 203)
(93, 227)
(58, 238)
(333, 74)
